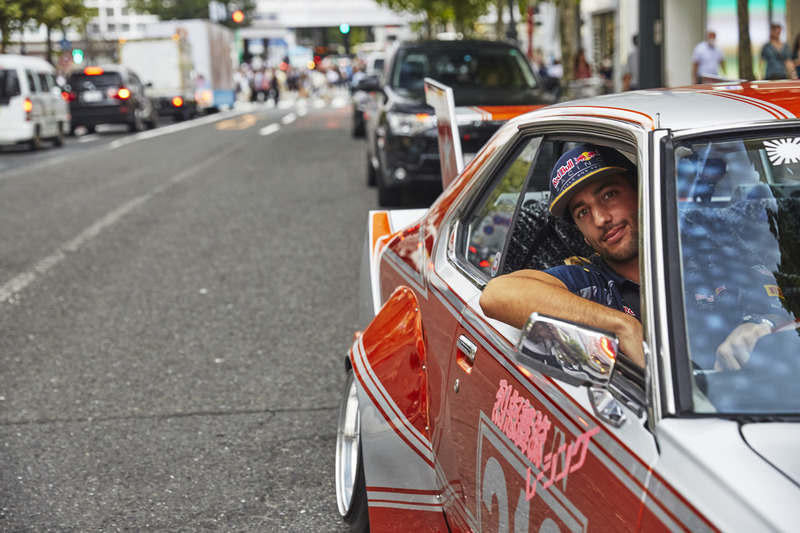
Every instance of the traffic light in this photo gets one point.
(77, 55)
(344, 29)
(237, 16)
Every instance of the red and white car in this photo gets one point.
(451, 421)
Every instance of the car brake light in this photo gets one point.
(177, 101)
(27, 106)
(93, 71)
(123, 93)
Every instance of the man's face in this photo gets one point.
(607, 214)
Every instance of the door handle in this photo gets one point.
(467, 347)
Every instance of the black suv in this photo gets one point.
(108, 95)
(402, 142)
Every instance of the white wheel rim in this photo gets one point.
(348, 438)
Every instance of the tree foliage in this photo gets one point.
(53, 14)
(462, 14)
(190, 9)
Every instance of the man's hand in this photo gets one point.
(735, 351)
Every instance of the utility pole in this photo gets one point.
(651, 41)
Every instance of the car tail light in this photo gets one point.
(177, 101)
(27, 106)
(68, 96)
(93, 71)
(122, 93)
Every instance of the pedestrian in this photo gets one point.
(630, 78)
(707, 58)
(776, 62)
(582, 68)
(796, 54)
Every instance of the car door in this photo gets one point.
(526, 452)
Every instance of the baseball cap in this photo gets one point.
(579, 167)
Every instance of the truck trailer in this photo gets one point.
(165, 67)
(213, 54)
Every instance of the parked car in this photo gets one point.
(31, 106)
(452, 421)
(110, 94)
(364, 84)
(401, 142)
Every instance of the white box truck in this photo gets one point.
(164, 65)
(214, 59)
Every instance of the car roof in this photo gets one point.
(683, 108)
(16, 60)
(462, 43)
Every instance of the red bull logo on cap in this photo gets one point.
(572, 163)
(585, 156)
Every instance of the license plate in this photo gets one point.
(92, 96)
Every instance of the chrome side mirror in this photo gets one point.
(573, 353)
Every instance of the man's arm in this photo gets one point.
(513, 297)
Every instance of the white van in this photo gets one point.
(31, 105)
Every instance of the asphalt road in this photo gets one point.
(175, 307)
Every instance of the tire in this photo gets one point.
(358, 125)
(136, 125)
(36, 141)
(58, 140)
(370, 173)
(351, 486)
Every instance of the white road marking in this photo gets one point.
(268, 130)
(14, 286)
(288, 119)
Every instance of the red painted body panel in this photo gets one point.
(396, 352)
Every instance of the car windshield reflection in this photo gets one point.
(739, 219)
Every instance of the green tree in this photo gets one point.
(14, 14)
(463, 14)
(61, 15)
(190, 9)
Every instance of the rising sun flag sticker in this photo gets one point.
(783, 151)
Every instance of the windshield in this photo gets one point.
(739, 219)
(473, 73)
(95, 81)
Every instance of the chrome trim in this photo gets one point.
(658, 376)
(467, 347)
(606, 406)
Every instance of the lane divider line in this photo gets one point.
(19, 282)
(268, 130)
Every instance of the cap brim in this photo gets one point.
(559, 204)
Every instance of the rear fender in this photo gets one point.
(381, 227)
(389, 362)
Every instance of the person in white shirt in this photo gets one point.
(707, 58)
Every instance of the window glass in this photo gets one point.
(487, 227)
(32, 85)
(9, 84)
(52, 84)
(532, 244)
(44, 82)
(738, 204)
(477, 74)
